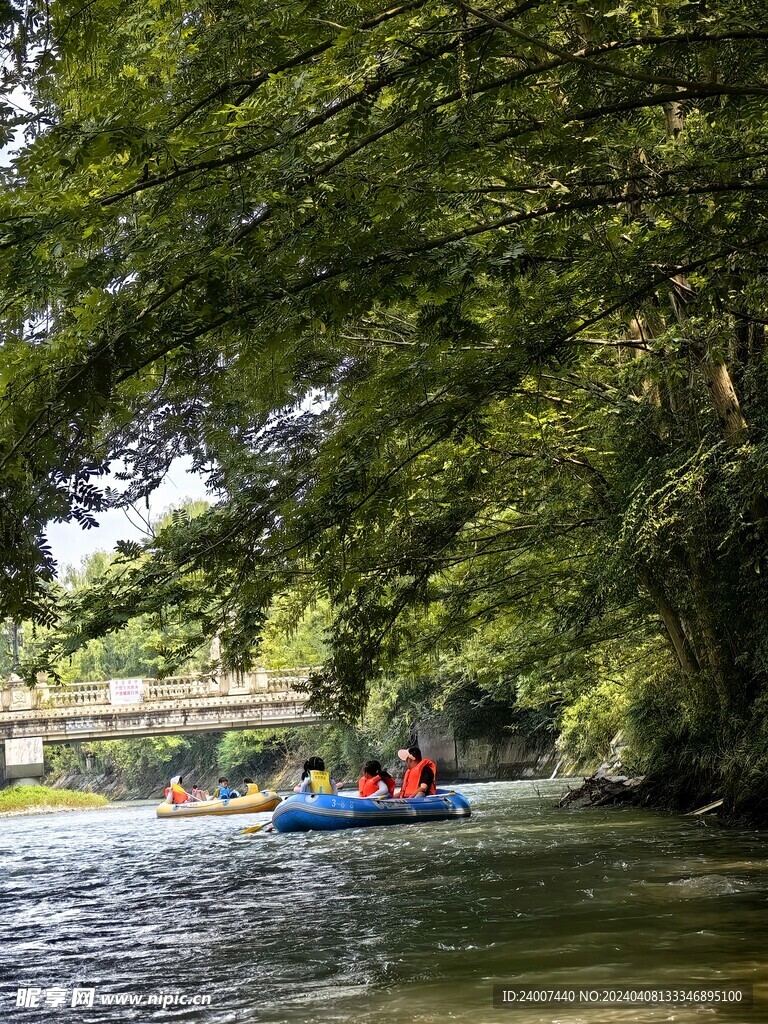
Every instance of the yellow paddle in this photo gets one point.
(251, 829)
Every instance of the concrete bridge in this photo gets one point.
(124, 708)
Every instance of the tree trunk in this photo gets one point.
(673, 624)
(675, 115)
(716, 374)
(720, 662)
(725, 400)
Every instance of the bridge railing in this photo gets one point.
(180, 688)
(79, 695)
(288, 678)
(269, 685)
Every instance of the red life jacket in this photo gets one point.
(410, 786)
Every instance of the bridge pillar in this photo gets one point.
(16, 695)
(24, 761)
(240, 683)
(257, 681)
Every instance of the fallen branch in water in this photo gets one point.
(714, 806)
(600, 790)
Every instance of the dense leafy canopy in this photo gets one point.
(460, 308)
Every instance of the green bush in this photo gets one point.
(589, 724)
(22, 798)
(682, 732)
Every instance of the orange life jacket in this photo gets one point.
(180, 796)
(410, 786)
(368, 787)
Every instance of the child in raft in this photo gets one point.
(249, 787)
(375, 782)
(224, 791)
(315, 779)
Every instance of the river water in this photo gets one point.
(412, 923)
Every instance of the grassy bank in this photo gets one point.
(38, 798)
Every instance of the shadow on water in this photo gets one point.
(378, 926)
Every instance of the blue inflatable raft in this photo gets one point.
(311, 811)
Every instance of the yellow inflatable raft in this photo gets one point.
(251, 804)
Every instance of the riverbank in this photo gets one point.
(279, 766)
(31, 812)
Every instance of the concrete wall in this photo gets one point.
(513, 757)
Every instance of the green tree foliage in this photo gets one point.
(145, 645)
(294, 632)
(123, 653)
(461, 310)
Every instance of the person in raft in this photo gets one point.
(249, 787)
(198, 794)
(315, 779)
(223, 790)
(420, 774)
(375, 781)
(175, 793)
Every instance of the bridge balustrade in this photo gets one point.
(79, 695)
(268, 688)
(262, 686)
(180, 687)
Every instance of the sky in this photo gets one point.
(70, 543)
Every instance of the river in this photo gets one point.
(412, 923)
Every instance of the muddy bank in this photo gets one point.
(152, 786)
